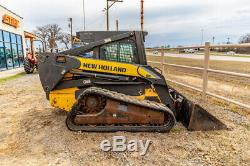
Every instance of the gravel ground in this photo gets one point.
(33, 133)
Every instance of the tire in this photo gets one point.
(28, 68)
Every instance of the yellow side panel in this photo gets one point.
(63, 99)
(114, 68)
(148, 93)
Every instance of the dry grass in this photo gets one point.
(227, 86)
(2, 80)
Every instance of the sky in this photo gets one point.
(178, 22)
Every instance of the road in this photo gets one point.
(200, 56)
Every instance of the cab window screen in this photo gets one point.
(126, 53)
(119, 52)
(110, 52)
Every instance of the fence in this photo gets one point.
(206, 70)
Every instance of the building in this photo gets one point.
(12, 40)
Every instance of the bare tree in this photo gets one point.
(245, 38)
(49, 34)
(65, 39)
(54, 35)
(43, 34)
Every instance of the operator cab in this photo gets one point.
(126, 50)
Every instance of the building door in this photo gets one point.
(14, 50)
(20, 49)
(9, 57)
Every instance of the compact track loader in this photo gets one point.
(107, 86)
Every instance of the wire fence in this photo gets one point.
(205, 69)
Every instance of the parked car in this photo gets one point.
(190, 51)
(155, 52)
(230, 53)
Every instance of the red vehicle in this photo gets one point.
(30, 63)
(30, 60)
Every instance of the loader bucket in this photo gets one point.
(196, 118)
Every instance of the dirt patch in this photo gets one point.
(34, 133)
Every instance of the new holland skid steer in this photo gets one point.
(106, 85)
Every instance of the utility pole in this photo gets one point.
(142, 15)
(84, 16)
(117, 25)
(108, 6)
(228, 40)
(107, 15)
(213, 39)
(71, 31)
(202, 36)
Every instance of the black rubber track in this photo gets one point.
(113, 128)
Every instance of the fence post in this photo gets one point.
(162, 60)
(205, 72)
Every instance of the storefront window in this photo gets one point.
(13, 38)
(2, 57)
(8, 54)
(6, 36)
(19, 39)
(20, 49)
(1, 35)
(20, 54)
(15, 55)
(11, 50)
